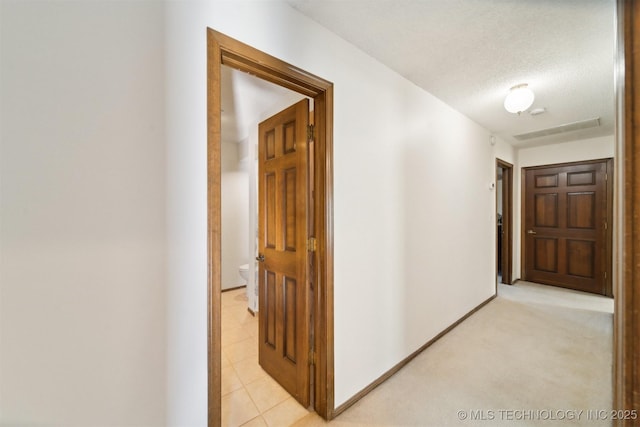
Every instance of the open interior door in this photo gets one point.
(283, 230)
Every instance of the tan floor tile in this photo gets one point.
(251, 320)
(285, 413)
(249, 371)
(242, 350)
(234, 335)
(242, 376)
(224, 360)
(314, 420)
(266, 393)
(256, 422)
(237, 408)
(251, 328)
(230, 380)
(234, 297)
(253, 358)
(230, 321)
(245, 318)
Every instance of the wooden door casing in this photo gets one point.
(567, 226)
(224, 50)
(626, 324)
(506, 258)
(283, 230)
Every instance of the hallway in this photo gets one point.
(534, 353)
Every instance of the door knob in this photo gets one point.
(531, 232)
(260, 258)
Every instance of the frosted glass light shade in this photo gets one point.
(520, 98)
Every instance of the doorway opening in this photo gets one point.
(222, 50)
(504, 221)
(249, 389)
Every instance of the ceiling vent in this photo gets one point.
(569, 127)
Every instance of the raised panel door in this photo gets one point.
(283, 229)
(565, 227)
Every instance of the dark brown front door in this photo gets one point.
(566, 226)
(283, 218)
(566, 230)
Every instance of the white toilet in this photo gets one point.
(244, 272)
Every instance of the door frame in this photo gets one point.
(507, 220)
(608, 241)
(626, 318)
(223, 50)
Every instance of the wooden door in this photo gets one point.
(566, 227)
(283, 219)
(506, 231)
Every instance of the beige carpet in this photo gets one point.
(534, 356)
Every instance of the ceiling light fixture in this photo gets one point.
(519, 98)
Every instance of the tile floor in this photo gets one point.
(545, 328)
(250, 397)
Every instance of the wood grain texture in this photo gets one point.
(284, 305)
(214, 229)
(507, 222)
(323, 287)
(225, 50)
(567, 233)
(627, 292)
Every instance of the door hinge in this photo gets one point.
(312, 357)
(605, 225)
(312, 245)
(310, 132)
(605, 275)
(606, 176)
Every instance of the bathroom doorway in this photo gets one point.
(255, 386)
(223, 50)
(504, 221)
(246, 101)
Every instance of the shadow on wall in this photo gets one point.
(448, 230)
(235, 211)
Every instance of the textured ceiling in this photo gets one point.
(469, 53)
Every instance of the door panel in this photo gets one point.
(283, 230)
(546, 255)
(581, 210)
(581, 257)
(566, 226)
(268, 319)
(546, 210)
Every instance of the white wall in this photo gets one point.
(503, 151)
(87, 326)
(186, 127)
(252, 238)
(574, 151)
(82, 209)
(235, 213)
(412, 197)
